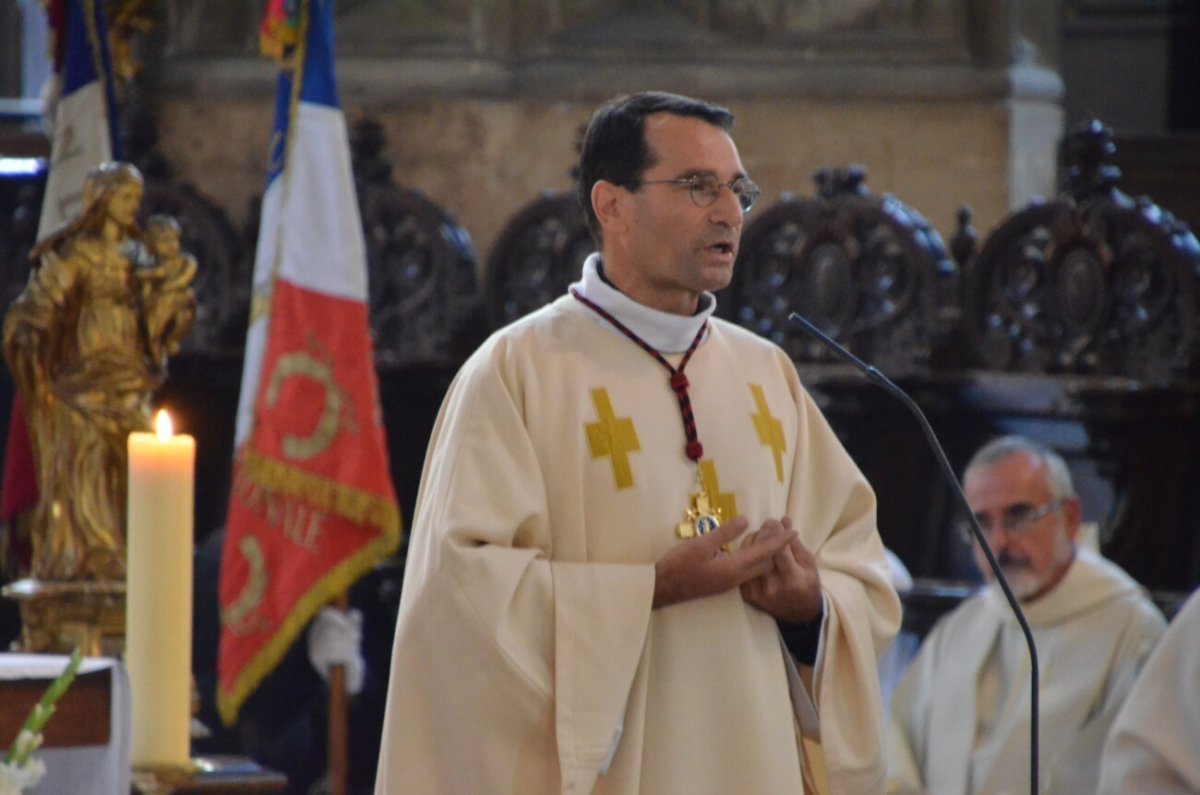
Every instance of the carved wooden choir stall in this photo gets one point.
(1074, 320)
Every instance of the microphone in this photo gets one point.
(940, 454)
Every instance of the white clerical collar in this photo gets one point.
(665, 332)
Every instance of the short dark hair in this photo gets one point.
(614, 144)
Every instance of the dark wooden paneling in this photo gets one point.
(82, 716)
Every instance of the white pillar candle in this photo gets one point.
(158, 595)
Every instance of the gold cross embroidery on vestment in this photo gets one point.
(612, 436)
(770, 430)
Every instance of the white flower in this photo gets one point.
(15, 780)
(26, 743)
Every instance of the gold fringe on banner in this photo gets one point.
(354, 505)
(335, 583)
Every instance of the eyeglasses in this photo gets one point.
(1015, 520)
(705, 188)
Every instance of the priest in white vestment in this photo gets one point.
(960, 718)
(1153, 747)
(641, 561)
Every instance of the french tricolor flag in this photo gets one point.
(312, 505)
(84, 120)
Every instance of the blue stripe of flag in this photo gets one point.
(319, 85)
(80, 62)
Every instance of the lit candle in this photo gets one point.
(158, 595)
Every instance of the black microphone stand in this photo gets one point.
(887, 384)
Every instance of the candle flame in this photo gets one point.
(162, 424)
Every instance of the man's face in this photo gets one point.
(1032, 553)
(675, 249)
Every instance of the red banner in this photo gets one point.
(312, 506)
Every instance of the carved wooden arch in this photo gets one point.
(538, 255)
(867, 269)
(1093, 282)
(420, 263)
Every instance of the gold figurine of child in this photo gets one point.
(170, 304)
(86, 343)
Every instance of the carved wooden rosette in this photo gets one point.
(538, 254)
(867, 269)
(1093, 282)
(1107, 286)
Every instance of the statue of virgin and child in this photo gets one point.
(87, 344)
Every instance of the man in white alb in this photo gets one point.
(960, 717)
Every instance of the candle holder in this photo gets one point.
(156, 779)
(223, 775)
(58, 616)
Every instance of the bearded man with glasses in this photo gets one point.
(641, 561)
(960, 716)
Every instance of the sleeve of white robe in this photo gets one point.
(1077, 768)
(907, 721)
(480, 562)
(833, 508)
(1154, 745)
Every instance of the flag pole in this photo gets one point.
(337, 727)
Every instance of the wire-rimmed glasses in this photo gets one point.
(705, 188)
(1015, 520)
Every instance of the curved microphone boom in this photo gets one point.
(887, 384)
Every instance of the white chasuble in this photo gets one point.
(527, 658)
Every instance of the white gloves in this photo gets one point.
(335, 638)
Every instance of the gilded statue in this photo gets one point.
(166, 288)
(87, 343)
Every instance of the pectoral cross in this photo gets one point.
(707, 507)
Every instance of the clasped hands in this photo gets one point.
(771, 566)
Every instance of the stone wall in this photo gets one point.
(482, 101)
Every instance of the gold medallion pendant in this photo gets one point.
(703, 514)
